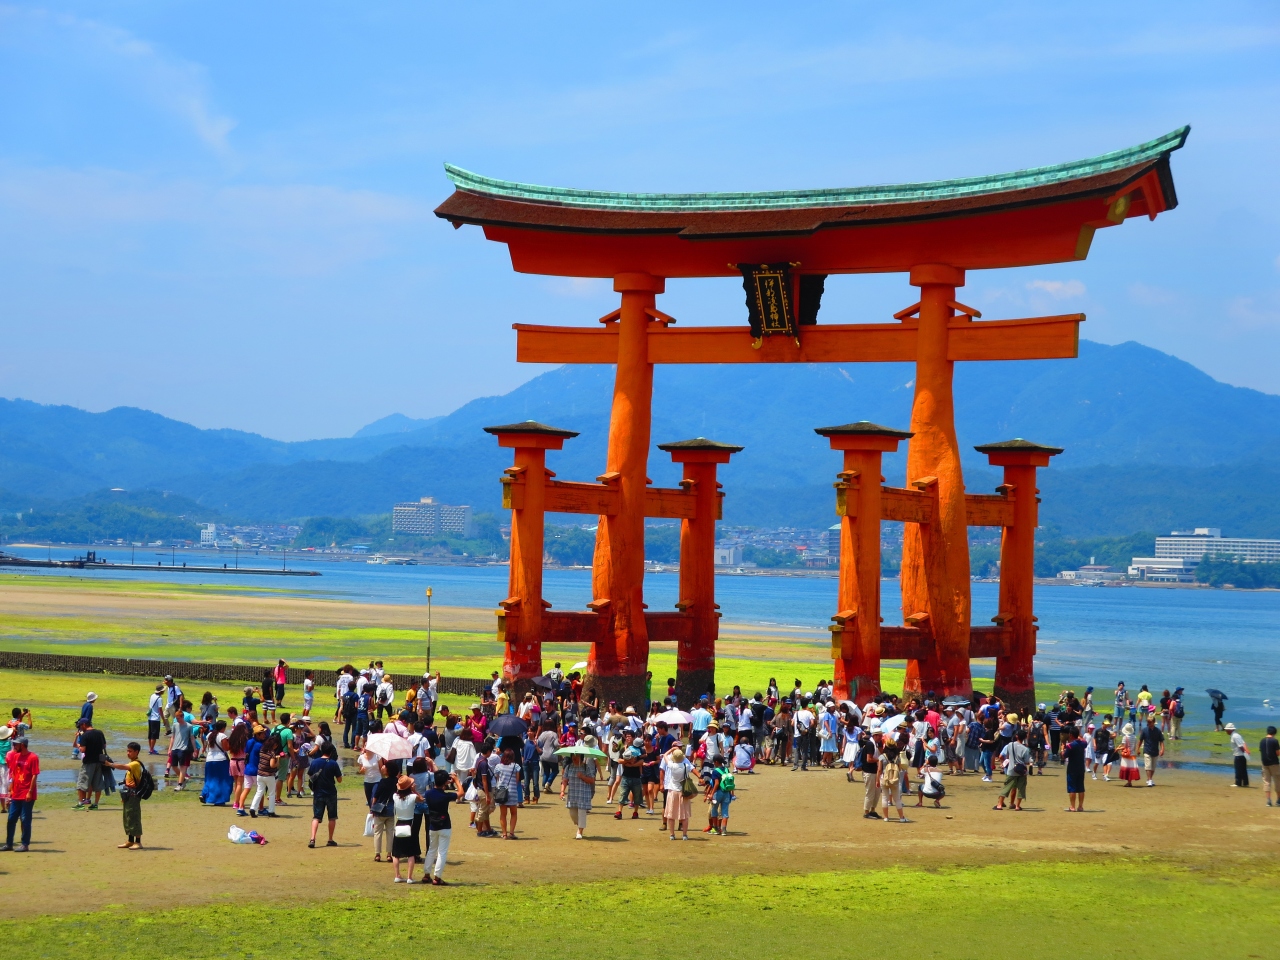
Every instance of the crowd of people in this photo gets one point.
(420, 762)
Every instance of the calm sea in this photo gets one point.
(1160, 637)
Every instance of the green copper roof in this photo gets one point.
(848, 196)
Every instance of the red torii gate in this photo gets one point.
(784, 244)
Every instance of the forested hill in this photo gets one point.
(1151, 443)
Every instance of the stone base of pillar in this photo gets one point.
(691, 685)
(1021, 700)
(626, 690)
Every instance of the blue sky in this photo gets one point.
(222, 212)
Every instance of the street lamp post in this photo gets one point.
(428, 629)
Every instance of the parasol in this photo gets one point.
(1216, 693)
(582, 749)
(673, 717)
(388, 746)
(507, 725)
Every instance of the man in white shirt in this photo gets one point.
(385, 697)
(803, 734)
(701, 719)
(155, 716)
(339, 691)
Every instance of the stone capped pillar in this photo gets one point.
(1015, 682)
(696, 654)
(524, 494)
(855, 641)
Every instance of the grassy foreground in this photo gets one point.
(1010, 910)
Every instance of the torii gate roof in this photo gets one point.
(1035, 216)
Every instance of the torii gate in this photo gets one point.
(784, 244)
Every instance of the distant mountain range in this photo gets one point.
(1151, 443)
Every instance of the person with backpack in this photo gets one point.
(1017, 765)
(138, 786)
(323, 777)
(1103, 750)
(680, 787)
(889, 772)
(1177, 711)
(720, 793)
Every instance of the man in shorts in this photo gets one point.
(1152, 748)
(1269, 755)
(180, 747)
(173, 702)
(324, 777)
(155, 716)
(89, 779)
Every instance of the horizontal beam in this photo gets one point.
(1037, 338)
(572, 626)
(988, 642)
(906, 506)
(566, 496)
(671, 503)
(988, 510)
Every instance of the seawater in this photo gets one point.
(1164, 638)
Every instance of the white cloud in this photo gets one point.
(1149, 296)
(578, 288)
(1249, 315)
(1058, 289)
(175, 85)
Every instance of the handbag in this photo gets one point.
(404, 828)
(688, 789)
(501, 795)
(368, 825)
(472, 793)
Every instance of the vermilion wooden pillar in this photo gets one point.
(617, 665)
(935, 557)
(1015, 672)
(696, 652)
(855, 643)
(524, 493)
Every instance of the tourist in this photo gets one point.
(268, 710)
(1102, 749)
(130, 798)
(868, 762)
(24, 771)
(482, 799)
(931, 787)
(439, 828)
(744, 755)
(269, 758)
(577, 787)
(155, 716)
(237, 745)
(1177, 711)
(6, 744)
(1120, 699)
(281, 677)
(1269, 756)
(1152, 747)
(1218, 707)
(1239, 756)
(404, 844)
(382, 813)
(719, 783)
(677, 780)
(173, 702)
(364, 712)
(631, 765)
(1016, 757)
(650, 774)
(1073, 750)
(1129, 756)
(987, 740)
(800, 739)
(1145, 711)
(218, 783)
(93, 745)
(385, 696)
(826, 731)
(1037, 741)
(890, 773)
(506, 792)
(323, 777)
(308, 693)
(252, 756)
(548, 742)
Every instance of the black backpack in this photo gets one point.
(146, 785)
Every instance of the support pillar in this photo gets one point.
(696, 652)
(855, 637)
(616, 665)
(1015, 682)
(935, 557)
(524, 493)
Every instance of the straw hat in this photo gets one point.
(677, 755)
(1229, 727)
(404, 783)
(6, 733)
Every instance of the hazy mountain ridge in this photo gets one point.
(1143, 432)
